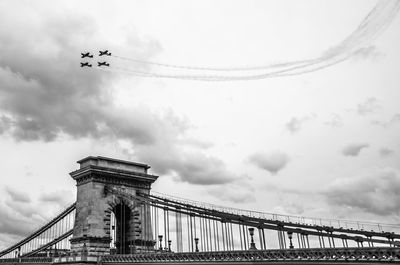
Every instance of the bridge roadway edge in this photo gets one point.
(26, 263)
(293, 262)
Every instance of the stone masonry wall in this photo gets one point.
(93, 213)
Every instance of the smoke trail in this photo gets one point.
(378, 19)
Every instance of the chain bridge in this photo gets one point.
(118, 219)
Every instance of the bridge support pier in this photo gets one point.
(94, 206)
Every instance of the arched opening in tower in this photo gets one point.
(121, 227)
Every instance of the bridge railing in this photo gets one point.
(347, 224)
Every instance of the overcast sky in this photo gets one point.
(324, 143)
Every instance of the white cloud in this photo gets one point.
(369, 106)
(391, 122)
(17, 196)
(59, 197)
(354, 149)
(335, 121)
(236, 192)
(272, 162)
(193, 167)
(296, 123)
(385, 152)
(377, 193)
(292, 208)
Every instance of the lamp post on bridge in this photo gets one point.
(290, 235)
(252, 244)
(131, 247)
(160, 237)
(169, 245)
(18, 252)
(196, 240)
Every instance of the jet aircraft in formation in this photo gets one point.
(106, 52)
(103, 64)
(86, 64)
(88, 55)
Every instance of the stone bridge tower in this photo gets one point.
(131, 231)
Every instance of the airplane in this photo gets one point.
(103, 64)
(83, 55)
(86, 64)
(106, 52)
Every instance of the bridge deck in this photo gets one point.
(303, 256)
